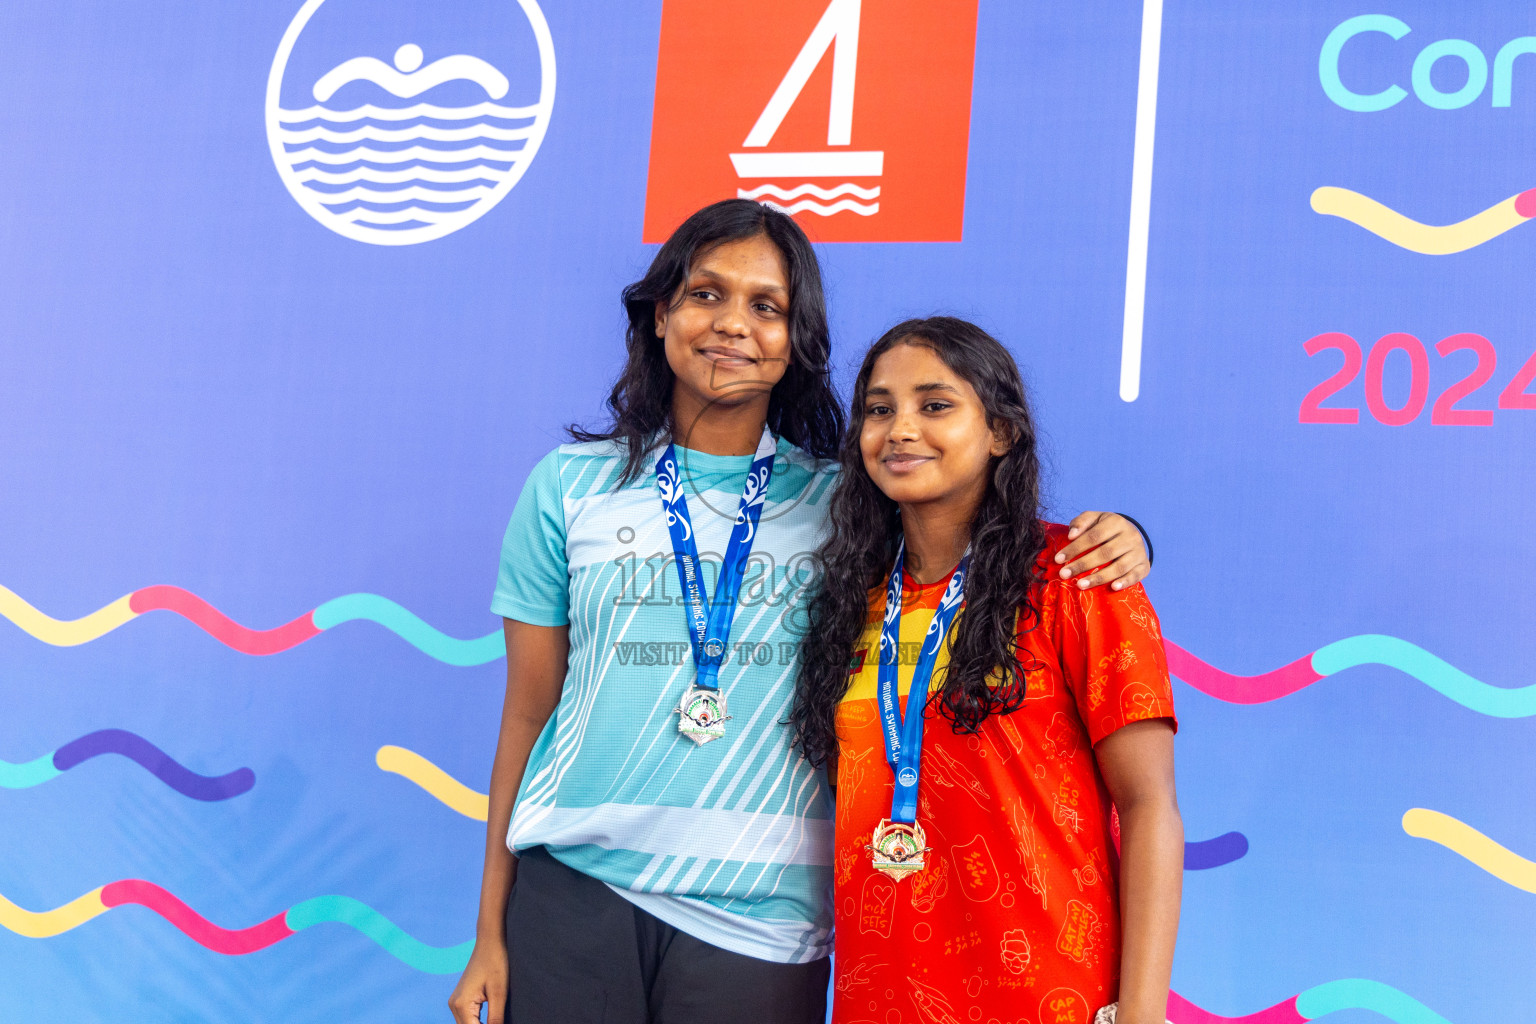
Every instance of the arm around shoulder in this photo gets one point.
(1106, 547)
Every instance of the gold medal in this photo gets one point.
(897, 849)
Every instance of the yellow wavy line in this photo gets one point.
(47, 923)
(61, 632)
(434, 780)
(1464, 840)
(1428, 239)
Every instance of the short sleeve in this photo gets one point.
(533, 583)
(1111, 648)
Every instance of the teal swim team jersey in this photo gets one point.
(730, 841)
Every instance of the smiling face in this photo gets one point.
(925, 437)
(726, 332)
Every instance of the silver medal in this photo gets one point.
(701, 714)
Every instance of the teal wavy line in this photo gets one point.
(1360, 994)
(1437, 674)
(29, 773)
(409, 628)
(410, 951)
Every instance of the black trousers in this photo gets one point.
(581, 953)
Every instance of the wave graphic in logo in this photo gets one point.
(400, 168)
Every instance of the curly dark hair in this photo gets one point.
(803, 408)
(985, 676)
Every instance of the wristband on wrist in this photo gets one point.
(1145, 538)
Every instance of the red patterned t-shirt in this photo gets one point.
(1016, 916)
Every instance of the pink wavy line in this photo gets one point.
(196, 927)
(1182, 1011)
(220, 626)
(1240, 689)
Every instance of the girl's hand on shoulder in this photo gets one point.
(484, 981)
(1106, 547)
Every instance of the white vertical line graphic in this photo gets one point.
(1141, 200)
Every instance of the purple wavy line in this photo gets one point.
(1213, 853)
(156, 761)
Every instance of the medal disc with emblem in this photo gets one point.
(897, 849)
(701, 714)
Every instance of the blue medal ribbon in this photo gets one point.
(709, 622)
(904, 732)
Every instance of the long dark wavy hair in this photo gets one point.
(985, 676)
(803, 407)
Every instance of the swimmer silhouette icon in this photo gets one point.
(408, 149)
(405, 81)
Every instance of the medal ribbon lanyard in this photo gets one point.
(904, 732)
(709, 628)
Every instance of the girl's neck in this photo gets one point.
(718, 428)
(937, 534)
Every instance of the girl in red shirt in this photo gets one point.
(976, 875)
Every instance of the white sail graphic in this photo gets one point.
(838, 31)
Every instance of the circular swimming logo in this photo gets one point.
(416, 146)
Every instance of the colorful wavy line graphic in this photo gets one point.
(348, 608)
(441, 785)
(1369, 649)
(1498, 702)
(1315, 1002)
(1465, 841)
(137, 749)
(1200, 855)
(238, 941)
(1427, 239)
